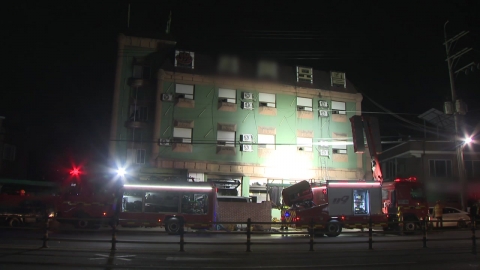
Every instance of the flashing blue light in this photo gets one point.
(287, 214)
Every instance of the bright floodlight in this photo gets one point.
(121, 171)
(468, 140)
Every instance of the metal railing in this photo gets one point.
(424, 227)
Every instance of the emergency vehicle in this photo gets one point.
(404, 203)
(346, 204)
(169, 205)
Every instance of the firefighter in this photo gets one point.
(438, 214)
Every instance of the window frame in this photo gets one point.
(229, 142)
(448, 168)
(184, 139)
(303, 145)
(340, 148)
(301, 103)
(264, 141)
(227, 98)
(336, 109)
(185, 93)
(264, 101)
(139, 154)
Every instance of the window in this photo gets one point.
(136, 156)
(161, 201)
(338, 107)
(472, 168)
(304, 144)
(266, 141)
(184, 91)
(266, 100)
(226, 138)
(138, 113)
(339, 147)
(304, 104)
(194, 203)
(182, 135)
(9, 152)
(227, 95)
(140, 156)
(440, 168)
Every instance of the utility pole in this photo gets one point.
(458, 109)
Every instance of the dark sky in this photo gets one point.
(59, 81)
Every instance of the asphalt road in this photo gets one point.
(447, 249)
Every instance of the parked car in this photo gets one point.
(452, 217)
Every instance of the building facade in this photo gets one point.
(435, 164)
(225, 119)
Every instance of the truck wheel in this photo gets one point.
(173, 226)
(14, 222)
(82, 222)
(333, 228)
(410, 225)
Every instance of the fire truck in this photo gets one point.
(81, 205)
(346, 204)
(404, 203)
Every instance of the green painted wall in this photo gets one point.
(206, 116)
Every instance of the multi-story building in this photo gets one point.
(228, 119)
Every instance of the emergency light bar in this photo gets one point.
(165, 187)
(354, 184)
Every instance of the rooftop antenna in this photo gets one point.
(128, 17)
(168, 23)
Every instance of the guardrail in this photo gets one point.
(424, 226)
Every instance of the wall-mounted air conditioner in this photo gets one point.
(247, 105)
(304, 74)
(322, 104)
(247, 95)
(246, 148)
(167, 97)
(324, 152)
(246, 137)
(323, 113)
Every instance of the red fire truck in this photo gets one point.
(346, 204)
(405, 203)
(169, 205)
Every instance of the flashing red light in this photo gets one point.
(75, 172)
(104, 213)
(324, 191)
(342, 217)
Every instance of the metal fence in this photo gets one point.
(423, 234)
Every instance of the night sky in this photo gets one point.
(61, 58)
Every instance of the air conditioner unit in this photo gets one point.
(304, 73)
(164, 141)
(247, 105)
(324, 152)
(323, 113)
(247, 95)
(246, 148)
(167, 97)
(271, 105)
(322, 104)
(246, 137)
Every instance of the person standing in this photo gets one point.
(438, 214)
